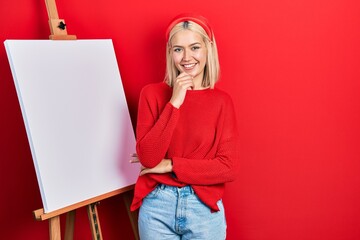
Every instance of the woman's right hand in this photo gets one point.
(182, 83)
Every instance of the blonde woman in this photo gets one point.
(186, 140)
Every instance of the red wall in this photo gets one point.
(292, 68)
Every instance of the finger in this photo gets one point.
(187, 85)
(135, 160)
(185, 82)
(184, 76)
(144, 171)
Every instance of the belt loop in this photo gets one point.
(162, 186)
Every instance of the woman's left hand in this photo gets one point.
(165, 166)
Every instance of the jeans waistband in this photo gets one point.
(186, 190)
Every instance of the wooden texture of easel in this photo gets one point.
(57, 26)
(59, 32)
(91, 205)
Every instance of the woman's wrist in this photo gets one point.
(170, 165)
(175, 104)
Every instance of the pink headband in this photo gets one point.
(190, 17)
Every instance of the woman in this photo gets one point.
(186, 140)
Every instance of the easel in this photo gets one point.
(59, 32)
(57, 26)
(54, 217)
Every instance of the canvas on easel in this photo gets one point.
(76, 118)
(77, 122)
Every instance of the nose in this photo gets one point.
(187, 55)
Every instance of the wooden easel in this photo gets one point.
(59, 32)
(90, 204)
(57, 26)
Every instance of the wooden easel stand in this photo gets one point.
(91, 205)
(59, 32)
(94, 221)
(57, 26)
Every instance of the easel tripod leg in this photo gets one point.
(70, 224)
(55, 231)
(127, 197)
(94, 222)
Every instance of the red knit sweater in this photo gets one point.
(200, 137)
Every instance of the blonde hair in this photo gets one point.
(212, 67)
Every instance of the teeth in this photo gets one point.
(189, 65)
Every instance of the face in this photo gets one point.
(189, 53)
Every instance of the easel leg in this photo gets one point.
(127, 196)
(94, 222)
(70, 224)
(55, 231)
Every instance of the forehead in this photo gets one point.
(186, 37)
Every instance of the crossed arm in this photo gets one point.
(165, 166)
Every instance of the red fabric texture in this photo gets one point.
(203, 22)
(200, 137)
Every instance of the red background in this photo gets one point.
(292, 68)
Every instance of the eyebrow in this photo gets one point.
(195, 43)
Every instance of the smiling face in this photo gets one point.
(189, 54)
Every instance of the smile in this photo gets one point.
(189, 66)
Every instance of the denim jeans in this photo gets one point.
(177, 213)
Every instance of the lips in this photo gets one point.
(189, 66)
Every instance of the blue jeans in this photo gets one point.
(177, 213)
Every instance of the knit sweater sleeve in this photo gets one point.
(221, 168)
(155, 126)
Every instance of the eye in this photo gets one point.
(195, 48)
(177, 49)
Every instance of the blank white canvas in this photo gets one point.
(76, 118)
